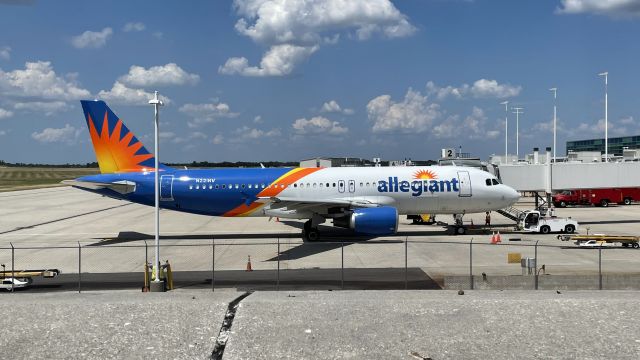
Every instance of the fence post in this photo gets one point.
(471, 264)
(213, 264)
(536, 268)
(342, 263)
(79, 268)
(406, 263)
(600, 268)
(13, 261)
(278, 272)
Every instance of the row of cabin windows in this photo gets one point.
(491, 182)
(262, 186)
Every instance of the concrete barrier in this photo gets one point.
(545, 282)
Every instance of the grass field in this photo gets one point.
(17, 178)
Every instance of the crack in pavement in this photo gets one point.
(225, 329)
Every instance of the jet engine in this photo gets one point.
(370, 221)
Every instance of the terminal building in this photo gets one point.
(616, 145)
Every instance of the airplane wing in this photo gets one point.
(122, 187)
(302, 203)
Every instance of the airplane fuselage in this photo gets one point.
(246, 192)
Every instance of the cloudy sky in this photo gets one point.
(265, 80)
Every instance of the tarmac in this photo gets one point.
(185, 324)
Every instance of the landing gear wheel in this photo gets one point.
(604, 203)
(636, 245)
(312, 234)
(460, 230)
(563, 204)
(627, 201)
(569, 229)
(545, 229)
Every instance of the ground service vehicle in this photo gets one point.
(533, 221)
(598, 197)
(609, 240)
(422, 218)
(13, 283)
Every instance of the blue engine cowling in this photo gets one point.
(371, 221)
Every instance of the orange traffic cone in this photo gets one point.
(498, 238)
(493, 238)
(249, 264)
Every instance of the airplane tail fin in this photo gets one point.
(117, 149)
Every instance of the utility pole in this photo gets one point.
(555, 91)
(506, 130)
(606, 115)
(518, 111)
(156, 105)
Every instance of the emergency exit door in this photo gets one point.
(465, 183)
(166, 187)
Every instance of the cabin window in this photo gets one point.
(334, 184)
(217, 186)
(249, 186)
(197, 187)
(488, 182)
(295, 185)
(230, 186)
(237, 186)
(243, 186)
(321, 185)
(190, 187)
(361, 184)
(224, 186)
(494, 181)
(210, 187)
(282, 186)
(314, 185)
(256, 186)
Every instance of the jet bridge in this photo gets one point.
(561, 176)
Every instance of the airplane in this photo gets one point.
(367, 200)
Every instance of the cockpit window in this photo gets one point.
(488, 182)
(494, 181)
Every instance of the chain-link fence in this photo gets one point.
(289, 263)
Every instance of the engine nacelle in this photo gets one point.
(371, 221)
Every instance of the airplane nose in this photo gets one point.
(510, 195)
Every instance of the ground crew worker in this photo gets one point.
(487, 219)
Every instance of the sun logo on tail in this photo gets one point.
(116, 154)
(424, 175)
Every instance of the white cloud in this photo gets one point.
(280, 60)
(318, 125)
(620, 127)
(332, 106)
(158, 35)
(217, 140)
(295, 29)
(5, 114)
(39, 80)
(413, 114)
(121, 94)
(245, 132)
(48, 108)
(133, 26)
(68, 134)
(92, 39)
(3, 133)
(615, 8)
(258, 119)
(206, 113)
(169, 74)
(5, 53)
(482, 88)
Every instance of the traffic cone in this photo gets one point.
(498, 238)
(493, 238)
(249, 264)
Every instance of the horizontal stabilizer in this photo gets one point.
(121, 187)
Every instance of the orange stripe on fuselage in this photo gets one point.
(272, 190)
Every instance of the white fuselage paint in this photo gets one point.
(453, 190)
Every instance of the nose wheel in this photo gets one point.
(310, 233)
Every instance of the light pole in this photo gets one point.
(156, 105)
(555, 91)
(606, 115)
(518, 111)
(506, 130)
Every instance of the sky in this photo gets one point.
(262, 80)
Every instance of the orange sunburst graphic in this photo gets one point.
(425, 175)
(116, 155)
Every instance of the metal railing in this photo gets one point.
(288, 263)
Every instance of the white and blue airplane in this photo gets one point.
(367, 200)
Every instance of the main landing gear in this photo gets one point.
(310, 232)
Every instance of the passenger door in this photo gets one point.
(465, 184)
(166, 187)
